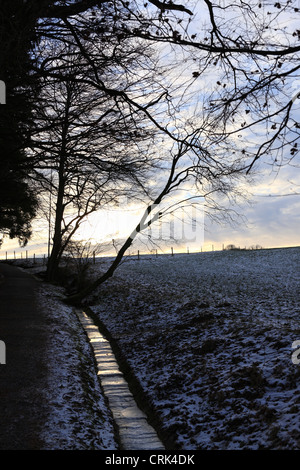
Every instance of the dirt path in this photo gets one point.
(22, 329)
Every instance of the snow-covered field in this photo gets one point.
(209, 337)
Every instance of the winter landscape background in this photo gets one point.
(208, 336)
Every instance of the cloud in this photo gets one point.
(271, 222)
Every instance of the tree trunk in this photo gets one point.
(55, 255)
(76, 299)
(56, 251)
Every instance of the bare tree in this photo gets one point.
(238, 56)
(86, 151)
(187, 167)
(248, 51)
(189, 153)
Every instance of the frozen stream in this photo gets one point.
(135, 432)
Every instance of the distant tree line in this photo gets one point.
(232, 247)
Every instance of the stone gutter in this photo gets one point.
(135, 433)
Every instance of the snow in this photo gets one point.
(78, 417)
(209, 338)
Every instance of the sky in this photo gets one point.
(271, 218)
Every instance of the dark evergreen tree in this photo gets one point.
(17, 200)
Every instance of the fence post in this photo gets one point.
(94, 257)
(172, 251)
(138, 254)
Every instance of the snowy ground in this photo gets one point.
(209, 337)
(78, 417)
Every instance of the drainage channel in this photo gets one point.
(135, 433)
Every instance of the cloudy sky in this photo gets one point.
(272, 218)
(273, 214)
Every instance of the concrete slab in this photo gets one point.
(134, 430)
